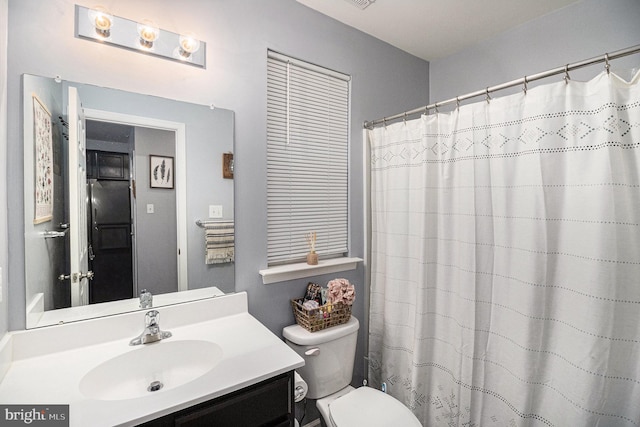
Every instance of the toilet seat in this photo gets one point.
(366, 406)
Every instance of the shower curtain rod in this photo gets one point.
(522, 81)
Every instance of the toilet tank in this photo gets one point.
(328, 355)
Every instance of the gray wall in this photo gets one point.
(580, 31)
(238, 34)
(49, 254)
(4, 245)
(205, 168)
(156, 244)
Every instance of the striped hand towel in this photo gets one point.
(220, 242)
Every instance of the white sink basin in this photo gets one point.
(150, 369)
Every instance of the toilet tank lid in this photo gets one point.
(298, 335)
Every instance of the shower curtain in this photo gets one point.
(505, 259)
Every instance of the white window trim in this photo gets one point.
(286, 272)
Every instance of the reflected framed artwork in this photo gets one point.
(43, 162)
(161, 171)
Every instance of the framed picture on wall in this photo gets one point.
(43, 162)
(161, 171)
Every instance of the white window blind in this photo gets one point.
(307, 159)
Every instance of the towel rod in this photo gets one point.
(48, 234)
(202, 224)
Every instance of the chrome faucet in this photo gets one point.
(146, 299)
(152, 332)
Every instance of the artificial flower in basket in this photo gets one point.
(340, 290)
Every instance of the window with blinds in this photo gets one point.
(307, 159)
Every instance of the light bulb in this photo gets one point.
(189, 44)
(148, 32)
(102, 20)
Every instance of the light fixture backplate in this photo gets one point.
(124, 34)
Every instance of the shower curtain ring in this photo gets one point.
(488, 98)
(405, 118)
(457, 103)
(525, 85)
(607, 66)
(566, 74)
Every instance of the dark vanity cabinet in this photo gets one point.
(268, 403)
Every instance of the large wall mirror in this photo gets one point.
(123, 193)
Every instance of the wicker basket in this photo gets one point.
(322, 317)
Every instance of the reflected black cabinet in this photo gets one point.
(107, 165)
(266, 404)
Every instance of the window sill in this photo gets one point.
(283, 273)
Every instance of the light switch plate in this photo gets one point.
(150, 208)
(215, 211)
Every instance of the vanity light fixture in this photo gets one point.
(99, 25)
(148, 32)
(189, 44)
(102, 20)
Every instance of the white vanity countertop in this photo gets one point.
(251, 353)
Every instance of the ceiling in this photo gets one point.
(432, 29)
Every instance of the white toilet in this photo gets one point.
(329, 356)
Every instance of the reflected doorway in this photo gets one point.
(132, 228)
(110, 225)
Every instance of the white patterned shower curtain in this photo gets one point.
(505, 282)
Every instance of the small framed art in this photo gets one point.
(161, 171)
(43, 149)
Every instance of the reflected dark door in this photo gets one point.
(111, 259)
